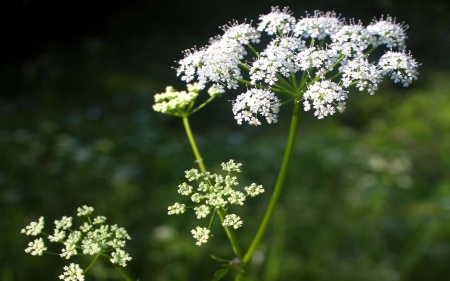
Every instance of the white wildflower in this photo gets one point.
(34, 228)
(120, 257)
(277, 20)
(254, 102)
(85, 211)
(201, 234)
(73, 272)
(177, 209)
(401, 67)
(36, 248)
(232, 220)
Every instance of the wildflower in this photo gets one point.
(36, 248)
(201, 234)
(233, 221)
(35, 228)
(231, 166)
(323, 95)
(254, 190)
(318, 26)
(85, 211)
(400, 66)
(120, 257)
(202, 211)
(387, 32)
(248, 105)
(73, 272)
(341, 63)
(277, 20)
(177, 209)
(64, 223)
(174, 102)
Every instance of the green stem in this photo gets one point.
(122, 272)
(228, 230)
(91, 264)
(190, 136)
(278, 186)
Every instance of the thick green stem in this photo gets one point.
(278, 186)
(222, 212)
(198, 157)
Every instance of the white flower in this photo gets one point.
(360, 70)
(85, 211)
(243, 33)
(202, 211)
(254, 190)
(217, 63)
(387, 32)
(68, 251)
(57, 236)
(36, 248)
(120, 257)
(400, 66)
(232, 220)
(174, 102)
(231, 166)
(99, 220)
(34, 228)
(278, 57)
(236, 197)
(277, 20)
(185, 189)
(248, 105)
(177, 209)
(319, 26)
(64, 223)
(323, 95)
(353, 37)
(73, 272)
(201, 234)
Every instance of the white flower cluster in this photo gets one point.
(73, 272)
(323, 94)
(93, 238)
(337, 54)
(248, 105)
(174, 102)
(214, 192)
(219, 61)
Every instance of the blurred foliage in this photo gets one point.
(367, 197)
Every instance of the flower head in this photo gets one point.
(174, 102)
(318, 26)
(233, 220)
(201, 234)
(254, 102)
(387, 32)
(36, 248)
(401, 67)
(214, 192)
(337, 56)
(34, 228)
(277, 21)
(73, 272)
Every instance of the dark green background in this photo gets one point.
(368, 195)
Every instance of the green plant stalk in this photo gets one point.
(123, 272)
(228, 230)
(278, 186)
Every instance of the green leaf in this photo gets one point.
(219, 274)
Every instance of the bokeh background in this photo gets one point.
(368, 195)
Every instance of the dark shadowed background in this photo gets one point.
(368, 197)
